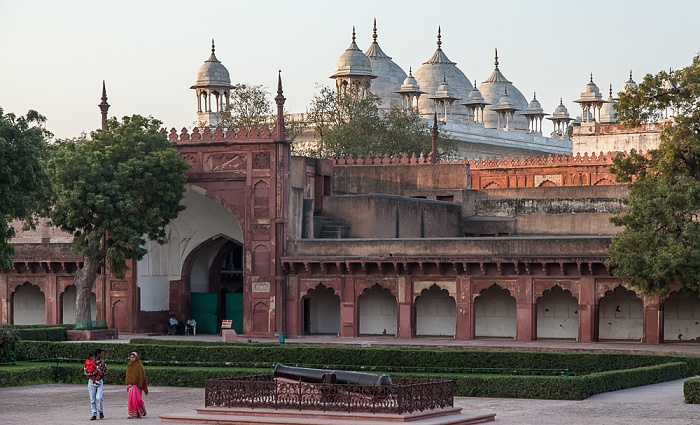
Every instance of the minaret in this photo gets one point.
(213, 87)
(104, 106)
(282, 171)
(353, 71)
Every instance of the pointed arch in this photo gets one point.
(494, 313)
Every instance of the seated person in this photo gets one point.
(174, 326)
(190, 325)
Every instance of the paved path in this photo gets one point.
(59, 404)
(651, 405)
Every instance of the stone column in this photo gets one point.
(653, 321)
(51, 294)
(525, 311)
(465, 312)
(348, 316)
(293, 311)
(404, 302)
(4, 301)
(587, 311)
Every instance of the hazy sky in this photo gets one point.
(55, 54)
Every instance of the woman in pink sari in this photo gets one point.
(136, 384)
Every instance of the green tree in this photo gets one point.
(352, 124)
(111, 191)
(659, 244)
(24, 184)
(249, 106)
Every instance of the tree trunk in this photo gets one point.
(84, 281)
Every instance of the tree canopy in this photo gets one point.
(113, 190)
(659, 245)
(249, 106)
(352, 124)
(24, 185)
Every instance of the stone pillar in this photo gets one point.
(51, 294)
(4, 300)
(404, 286)
(653, 321)
(525, 311)
(587, 311)
(404, 318)
(465, 313)
(293, 312)
(348, 316)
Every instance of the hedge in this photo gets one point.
(428, 360)
(529, 387)
(691, 391)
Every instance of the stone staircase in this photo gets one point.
(326, 227)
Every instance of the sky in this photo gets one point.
(55, 54)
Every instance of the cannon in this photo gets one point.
(324, 376)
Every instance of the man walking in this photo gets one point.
(97, 391)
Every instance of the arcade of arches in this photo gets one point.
(521, 308)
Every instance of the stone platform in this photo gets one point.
(91, 334)
(247, 416)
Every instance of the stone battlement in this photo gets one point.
(221, 135)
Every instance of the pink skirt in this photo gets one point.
(135, 405)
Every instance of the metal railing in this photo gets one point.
(264, 391)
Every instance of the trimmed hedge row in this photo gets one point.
(368, 359)
(532, 387)
(566, 388)
(691, 391)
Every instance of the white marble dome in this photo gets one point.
(493, 89)
(560, 111)
(212, 72)
(389, 74)
(629, 84)
(431, 75)
(608, 114)
(534, 107)
(353, 63)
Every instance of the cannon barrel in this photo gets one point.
(310, 375)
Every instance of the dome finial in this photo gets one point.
(591, 78)
(630, 74)
(353, 33)
(534, 95)
(374, 31)
(212, 46)
(610, 90)
(410, 71)
(495, 62)
(439, 43)
(561, 100)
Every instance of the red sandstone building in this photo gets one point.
(395, 247)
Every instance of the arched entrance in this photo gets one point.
(494, 313)
(377, 311)
(216, 285)
(68, 305)
(682, 317)
(557, 314)
(321, 311)
(198, 271)
(28, 305)
(436, 313)
(620, 315)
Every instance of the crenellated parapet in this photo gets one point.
(601, 159)
(386, 159)
(219, 134)
(579, 169)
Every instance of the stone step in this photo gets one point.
(243, 416)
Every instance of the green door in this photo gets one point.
(205, 311)
(234, 311)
